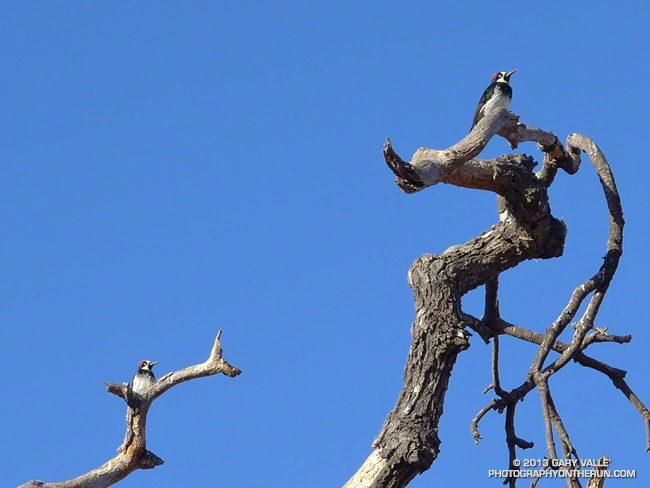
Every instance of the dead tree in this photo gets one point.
(133, 453)
(408, 442)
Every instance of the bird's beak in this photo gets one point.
(509, 74)
(153, 363)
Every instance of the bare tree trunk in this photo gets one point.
(408, 442)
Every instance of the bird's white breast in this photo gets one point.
(141, 383)
(497, 101)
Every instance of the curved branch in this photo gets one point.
(600, 282)
(513, 442)
(474, 425)
(556, 155)
(616, 375)
(431, 166)
(133, 454)
(599, 285)
(215, 364)
(408, 443)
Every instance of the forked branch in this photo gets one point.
(133, 454)
(408, 442)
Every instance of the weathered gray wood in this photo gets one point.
(133, 454)
(408, 442)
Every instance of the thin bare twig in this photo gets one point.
(474, 424)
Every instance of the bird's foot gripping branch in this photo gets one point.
(408, 442)
(133, 453)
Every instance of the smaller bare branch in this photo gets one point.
(407, 177)
(602, 336)
(616, 375)
(567, 448)
(556, 155)
(600, 282)
(496, 382)
(503, 327)
(511, 404)
(513, 442)
(577, 345)
(480, 327)
(474, 425)
(429, 167)
(133, 454)
(215, 364)
(217, 351)
(559, 428)
(616, 221)
(567, 315)
(622, 385)
(124, 391)
(542, 387)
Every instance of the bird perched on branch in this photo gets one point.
(498, 94)
(144, 377)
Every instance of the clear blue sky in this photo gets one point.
(175, 168)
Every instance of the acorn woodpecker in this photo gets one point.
(498, 94)
(144, 377)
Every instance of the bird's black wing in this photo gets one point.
(484, 98)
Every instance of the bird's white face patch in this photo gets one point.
(501, 77)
